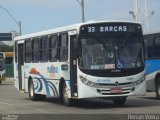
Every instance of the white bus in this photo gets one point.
(87, 60)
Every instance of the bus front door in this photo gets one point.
(20, 64)
(73, 65)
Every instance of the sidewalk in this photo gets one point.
(8, 81)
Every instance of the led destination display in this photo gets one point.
(110, 27)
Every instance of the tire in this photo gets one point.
(32, 95)
(158, 88)
(42, 97)
(120, 101)
(0, 82)
(67, 101)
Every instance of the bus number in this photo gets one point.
(91, 29)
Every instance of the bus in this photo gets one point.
(8, 57)
(9, 64)
(96, 59)
(152, 61)
(2, 67)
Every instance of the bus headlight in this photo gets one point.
(139, 81)
(87, 82)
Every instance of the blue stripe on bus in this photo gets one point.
(37, 86)
(40, 88)
(46, 84)
(53, 87)
(152, 66)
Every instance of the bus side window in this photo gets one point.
(63, 47)
(28, 51)
(36, 50)
(157, 47)
(44, 47)
(149, 48)
(53, 48)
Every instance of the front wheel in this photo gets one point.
(158, 88)
(32, 94)
(120, 101)
(67, 101)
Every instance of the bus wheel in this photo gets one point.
(158, 88)
(66, 100)
(32, 94)
(120, 101)
(0, 82)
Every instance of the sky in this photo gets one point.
(39, 15)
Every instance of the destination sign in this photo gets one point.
(107, 28)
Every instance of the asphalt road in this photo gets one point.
(14, 103)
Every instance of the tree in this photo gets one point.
(6, 48)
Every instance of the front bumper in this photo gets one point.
(104, 92)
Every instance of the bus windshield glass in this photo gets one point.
(111, 51)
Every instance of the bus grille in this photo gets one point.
(113, 84)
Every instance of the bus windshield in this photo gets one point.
(118, 51)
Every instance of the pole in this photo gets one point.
(82, 2)
(82, 8)
(20, 28)
(18, 23)
(137, 10)
(146, 15)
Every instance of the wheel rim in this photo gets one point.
(65, 94)
(31, 90)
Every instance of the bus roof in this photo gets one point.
(152, 34)
(66, 28)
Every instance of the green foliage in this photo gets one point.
(6, 48)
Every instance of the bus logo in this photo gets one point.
(52, 70)
(116, 83)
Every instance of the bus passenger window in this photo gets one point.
(148, 48)
(157, 47)
(28, 51)
(44, 46)
(36, 50)
(63, 47)
(53, 48)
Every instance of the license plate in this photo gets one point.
(116, 90)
